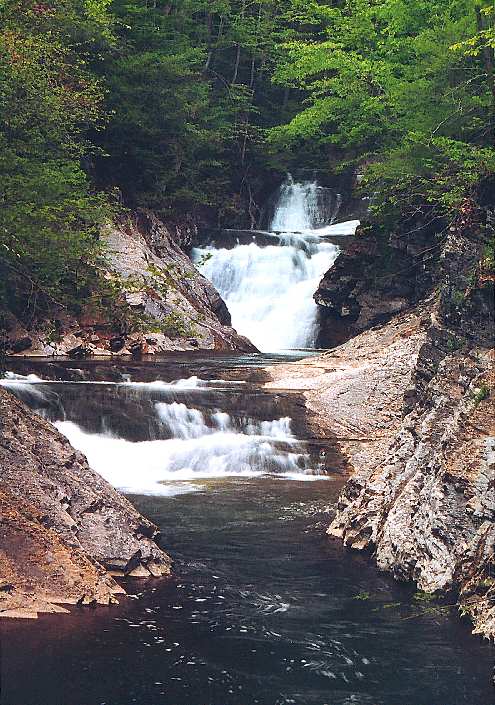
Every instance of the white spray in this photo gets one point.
(269, 290)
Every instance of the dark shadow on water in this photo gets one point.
(263, 608)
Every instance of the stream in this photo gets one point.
(263, 606)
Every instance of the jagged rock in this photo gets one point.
(20, 344)
(169, 298)
(361, 290)
(376, 277)
(172, 291)
(415, 420)
(428, 511)
(80, 351)
(143, 250)
(422, 499)
(42, 570)
(62, 525)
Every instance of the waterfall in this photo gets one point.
(303, 206)
(269, 289)
(200, 446)
(187, 430)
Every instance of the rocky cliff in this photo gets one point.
(379, 275)
(409, 400)
(427, 508)
(65, 533)
(159, 301)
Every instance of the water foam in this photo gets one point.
(17, 381)
(11, 379)
(200, 449)
(269, 290)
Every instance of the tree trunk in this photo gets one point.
(209, 23)
(236, 64)
(487, 60)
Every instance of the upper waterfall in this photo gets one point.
(269, 289)
(304, 206)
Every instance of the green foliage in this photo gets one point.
(175, 325)
(482, 393)
(437, 174)
(363, 596)
(423, 597)
(454, 343)
(152, 102)
(49, 217)
(488, 259)
(405, 87)
(198, 107)
(204, 259)
(189, 93)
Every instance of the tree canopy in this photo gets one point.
(194, 107)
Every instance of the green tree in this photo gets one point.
(49, 216)
(384, 84)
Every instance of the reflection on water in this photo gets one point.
(263, 607)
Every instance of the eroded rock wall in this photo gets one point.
(166, 303)
(379, 275)
(409, 400)
(427, 512)
(416, 422)
(64, 531)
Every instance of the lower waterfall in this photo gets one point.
(158, 438)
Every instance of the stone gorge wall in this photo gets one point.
(427, 510)
(377, 276)
(409, 400)
(170, 305)
(415, 421)
(64, 531)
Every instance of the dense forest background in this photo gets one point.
(196, 109)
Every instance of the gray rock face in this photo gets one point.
(169, 287)
(366, 286)
(77, 523)
(170, 305)
(376, 277)
(415, 420)
(428, 512)
(422, 499)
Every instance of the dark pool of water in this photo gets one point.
(263, 609)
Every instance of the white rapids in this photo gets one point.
(197, 450)
(269, 289)
(193, 443)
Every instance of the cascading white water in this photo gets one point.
(269, 289)
(192, 444)
(196, 450)
(304, 206)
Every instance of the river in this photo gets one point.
(263, 606)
